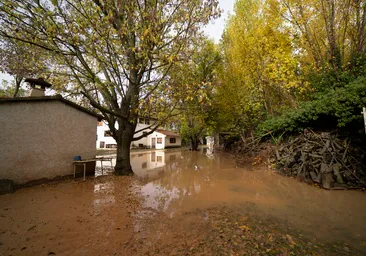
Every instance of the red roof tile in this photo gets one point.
(168, 133)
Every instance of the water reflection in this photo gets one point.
(196, 180)
(147, 165)
(173, 182)
(184, 175)
(103, 196)
(153, 164)
(210, 147)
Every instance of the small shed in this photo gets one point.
(40, 135)
(166, 139)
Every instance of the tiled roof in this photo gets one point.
(50, 98)
(168, 133)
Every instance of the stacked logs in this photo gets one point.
(322, 158)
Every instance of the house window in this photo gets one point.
(111, 146)
(172, 140)
(101, 144)
(144, 165)
(159, 140)
(107, 134)
(159, 159)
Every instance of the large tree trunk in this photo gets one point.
(194, 143)
(123, 164)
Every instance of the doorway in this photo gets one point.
(153, 142)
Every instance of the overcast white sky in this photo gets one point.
(213, 30)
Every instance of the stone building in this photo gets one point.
(40, 135)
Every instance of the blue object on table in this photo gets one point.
(77, 158)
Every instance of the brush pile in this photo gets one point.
(322, 158)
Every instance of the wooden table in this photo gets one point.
(82, 162)
(104, 159)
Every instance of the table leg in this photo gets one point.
(84, 170)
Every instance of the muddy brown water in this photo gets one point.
(99, 216)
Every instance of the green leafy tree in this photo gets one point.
(259, 75)
(116, 53)
(331, 37)
(194, 83)
(7, 89)
(20, 60)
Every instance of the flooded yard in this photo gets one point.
(183, 203)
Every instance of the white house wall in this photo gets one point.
(143, 141)
(146, 141)
(157, 135)
(102, 138)
(178, 142)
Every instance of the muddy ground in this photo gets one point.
(195, 206)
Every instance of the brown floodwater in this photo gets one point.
(99, 216)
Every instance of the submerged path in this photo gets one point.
(183, 203)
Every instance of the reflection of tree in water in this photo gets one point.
(194, 171)
(283, 198)
(184, 177)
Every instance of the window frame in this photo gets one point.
(107, 133)
(172, 140)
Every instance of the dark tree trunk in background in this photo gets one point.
(18, 81)
(194, 143)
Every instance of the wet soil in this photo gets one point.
(68, 218)
(183, 203)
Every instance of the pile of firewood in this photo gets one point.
(322, 158)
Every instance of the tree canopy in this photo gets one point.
(21, 60)
(116, 53)
(193, 85)
(278, 53)
(148, 58)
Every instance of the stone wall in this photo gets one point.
(39, 139)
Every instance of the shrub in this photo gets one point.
(334, 108)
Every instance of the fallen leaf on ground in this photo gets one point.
(244, 227)
(290, 240)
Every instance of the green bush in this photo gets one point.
(334, 108)
(326, 77)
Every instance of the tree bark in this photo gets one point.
(124, 139)
(194, 143)
(123, 164)
(18, 81)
